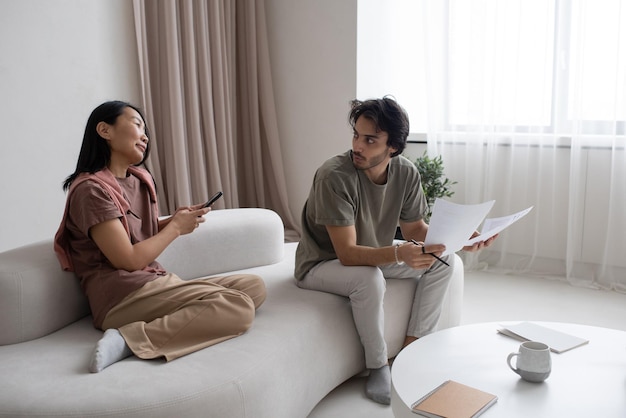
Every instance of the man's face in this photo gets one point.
(369, 147)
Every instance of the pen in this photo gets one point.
(438, 258)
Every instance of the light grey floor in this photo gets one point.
(494, 297)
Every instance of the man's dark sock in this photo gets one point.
(378, 386)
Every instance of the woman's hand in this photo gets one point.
(165, 221)
(187, 219)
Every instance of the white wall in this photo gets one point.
(59, 59)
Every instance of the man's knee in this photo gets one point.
(443, 271)
(450, 259)
(372, 283)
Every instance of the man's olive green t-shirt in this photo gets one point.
(341, 195)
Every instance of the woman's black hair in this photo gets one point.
(388, 116)
(95, 153)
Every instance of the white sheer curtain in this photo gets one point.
(525, 101)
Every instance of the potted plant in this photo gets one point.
(434, 182)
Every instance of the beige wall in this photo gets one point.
(313, 54)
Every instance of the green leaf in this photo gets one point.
(434, 182)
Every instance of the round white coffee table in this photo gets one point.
(588, 381)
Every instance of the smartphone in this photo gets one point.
(212, 200)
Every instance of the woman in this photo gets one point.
(110, 236)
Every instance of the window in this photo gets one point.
(514, 65)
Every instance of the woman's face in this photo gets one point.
(126, 138)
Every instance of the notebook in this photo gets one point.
(452, 399)
(558, 341)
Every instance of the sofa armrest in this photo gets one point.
(36, 296)
(229, 239)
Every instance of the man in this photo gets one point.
(349, 222)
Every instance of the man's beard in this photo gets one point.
(364, 163)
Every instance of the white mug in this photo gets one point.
(533, 361)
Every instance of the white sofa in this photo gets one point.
(301, 346)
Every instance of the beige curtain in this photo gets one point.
(208, 99)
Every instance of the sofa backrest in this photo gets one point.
(228, 239)
(37, 297)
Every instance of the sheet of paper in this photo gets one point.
(493, 226)
(452, 224)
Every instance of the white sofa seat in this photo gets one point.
(301, 346)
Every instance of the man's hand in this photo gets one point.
(479, 245)
(419, 256)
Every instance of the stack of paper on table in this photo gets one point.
(558, 341)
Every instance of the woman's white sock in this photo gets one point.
(110, 349)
